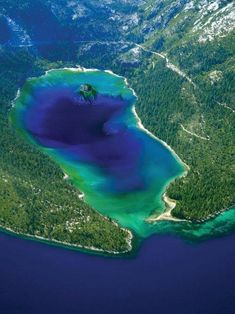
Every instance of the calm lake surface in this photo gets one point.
(167, 276)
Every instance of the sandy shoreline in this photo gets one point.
(170, 204)
(140, 125)
(166, 215)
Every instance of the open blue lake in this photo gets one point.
(167, 276)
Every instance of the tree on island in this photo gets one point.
(87, 92)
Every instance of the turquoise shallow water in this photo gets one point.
(122, 170)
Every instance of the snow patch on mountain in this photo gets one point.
(219, 24)
(71, 8)
(216, 18)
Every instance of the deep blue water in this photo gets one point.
(167, 276)
(87, 132)
(5, 32)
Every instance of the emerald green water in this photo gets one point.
(154, 165)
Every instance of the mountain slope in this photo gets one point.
(199, 118)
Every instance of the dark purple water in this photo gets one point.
(167, 277)
(88, 132)
(60, 118)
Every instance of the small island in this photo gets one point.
(87, 92)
